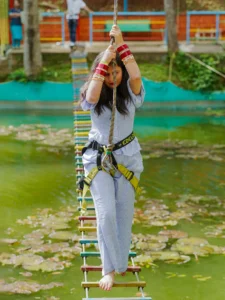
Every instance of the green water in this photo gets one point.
(30, 179)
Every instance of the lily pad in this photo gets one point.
(27, 288)
(170, 257)
(173, 234)
(64, 235)
(8, 241)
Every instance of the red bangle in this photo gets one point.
(101, 72)
(122, 47)
(103, 66)
(125, 54)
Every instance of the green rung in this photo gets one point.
(88, 208)
(85, 198)
(97, 254)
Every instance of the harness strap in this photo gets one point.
(96, 146)
(129, 175)
(87, 182)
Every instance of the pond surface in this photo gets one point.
(33, 180)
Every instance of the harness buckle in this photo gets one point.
(132, 175)
(94, 145)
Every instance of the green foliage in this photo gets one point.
(154, 71)
(194, 76)
(46, 74)
(186, 73)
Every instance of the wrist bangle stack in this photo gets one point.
(125, 54)
(100, 71)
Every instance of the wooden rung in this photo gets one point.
(128, 298)
(91, 208)
(86, 228)
(97, 254)
(85, 198)
(81, 112)
(88, 241)
(138, 284)
(87, 218)
(99, 268)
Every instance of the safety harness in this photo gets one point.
(85, 181)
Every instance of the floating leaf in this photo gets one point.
(64, 235)
(23, 287)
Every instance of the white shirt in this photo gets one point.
(74, 7)
(123, 125)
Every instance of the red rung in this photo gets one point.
(87, 218)
(79, 169)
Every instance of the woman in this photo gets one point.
(16, 24)
(113, 196)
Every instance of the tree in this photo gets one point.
(171, 25)
(32, 47)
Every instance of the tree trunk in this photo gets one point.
(171, 25)
(32, 47)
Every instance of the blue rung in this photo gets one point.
(85, 198)
(88, 242)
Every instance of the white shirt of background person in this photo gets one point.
(73, 8)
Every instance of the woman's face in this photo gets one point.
(109, 76)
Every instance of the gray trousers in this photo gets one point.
(114, 205)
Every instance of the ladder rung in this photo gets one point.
(127, 298)
(87, 218)
(86, 228)
(88, 241)
(88, 208)
(116, 284)
(85, 198)
(97, 254)
(99, 268)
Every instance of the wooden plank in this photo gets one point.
(88, 208)
(85, 198)
(86, 228)
(97, 254)
(138, 284)
(99, 269)
(128, 298)
(87, 218)
(87, 241)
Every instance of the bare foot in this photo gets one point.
(107, 281)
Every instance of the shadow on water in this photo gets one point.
(31, 179)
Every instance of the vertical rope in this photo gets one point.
(111, 131)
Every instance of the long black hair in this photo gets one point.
(106, 96)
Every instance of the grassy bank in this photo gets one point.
(186, 73)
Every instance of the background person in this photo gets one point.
(16, 24)
(73, 10)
